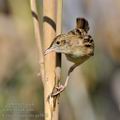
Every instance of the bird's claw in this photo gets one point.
(59, 89)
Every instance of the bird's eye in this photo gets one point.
(58, 42)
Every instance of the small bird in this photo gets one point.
(77, 45)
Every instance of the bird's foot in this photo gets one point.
(59, 89)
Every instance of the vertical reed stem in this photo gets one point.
(37, 33)
(49, 30)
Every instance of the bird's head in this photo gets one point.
(59, 45)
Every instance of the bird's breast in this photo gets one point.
(76, 59)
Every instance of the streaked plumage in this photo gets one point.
(77, 44)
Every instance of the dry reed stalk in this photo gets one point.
(49, 30)
(37, 33)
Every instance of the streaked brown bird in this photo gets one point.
(77, 45)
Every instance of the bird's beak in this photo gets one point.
(48, 50)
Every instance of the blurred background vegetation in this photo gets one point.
(93, 92)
